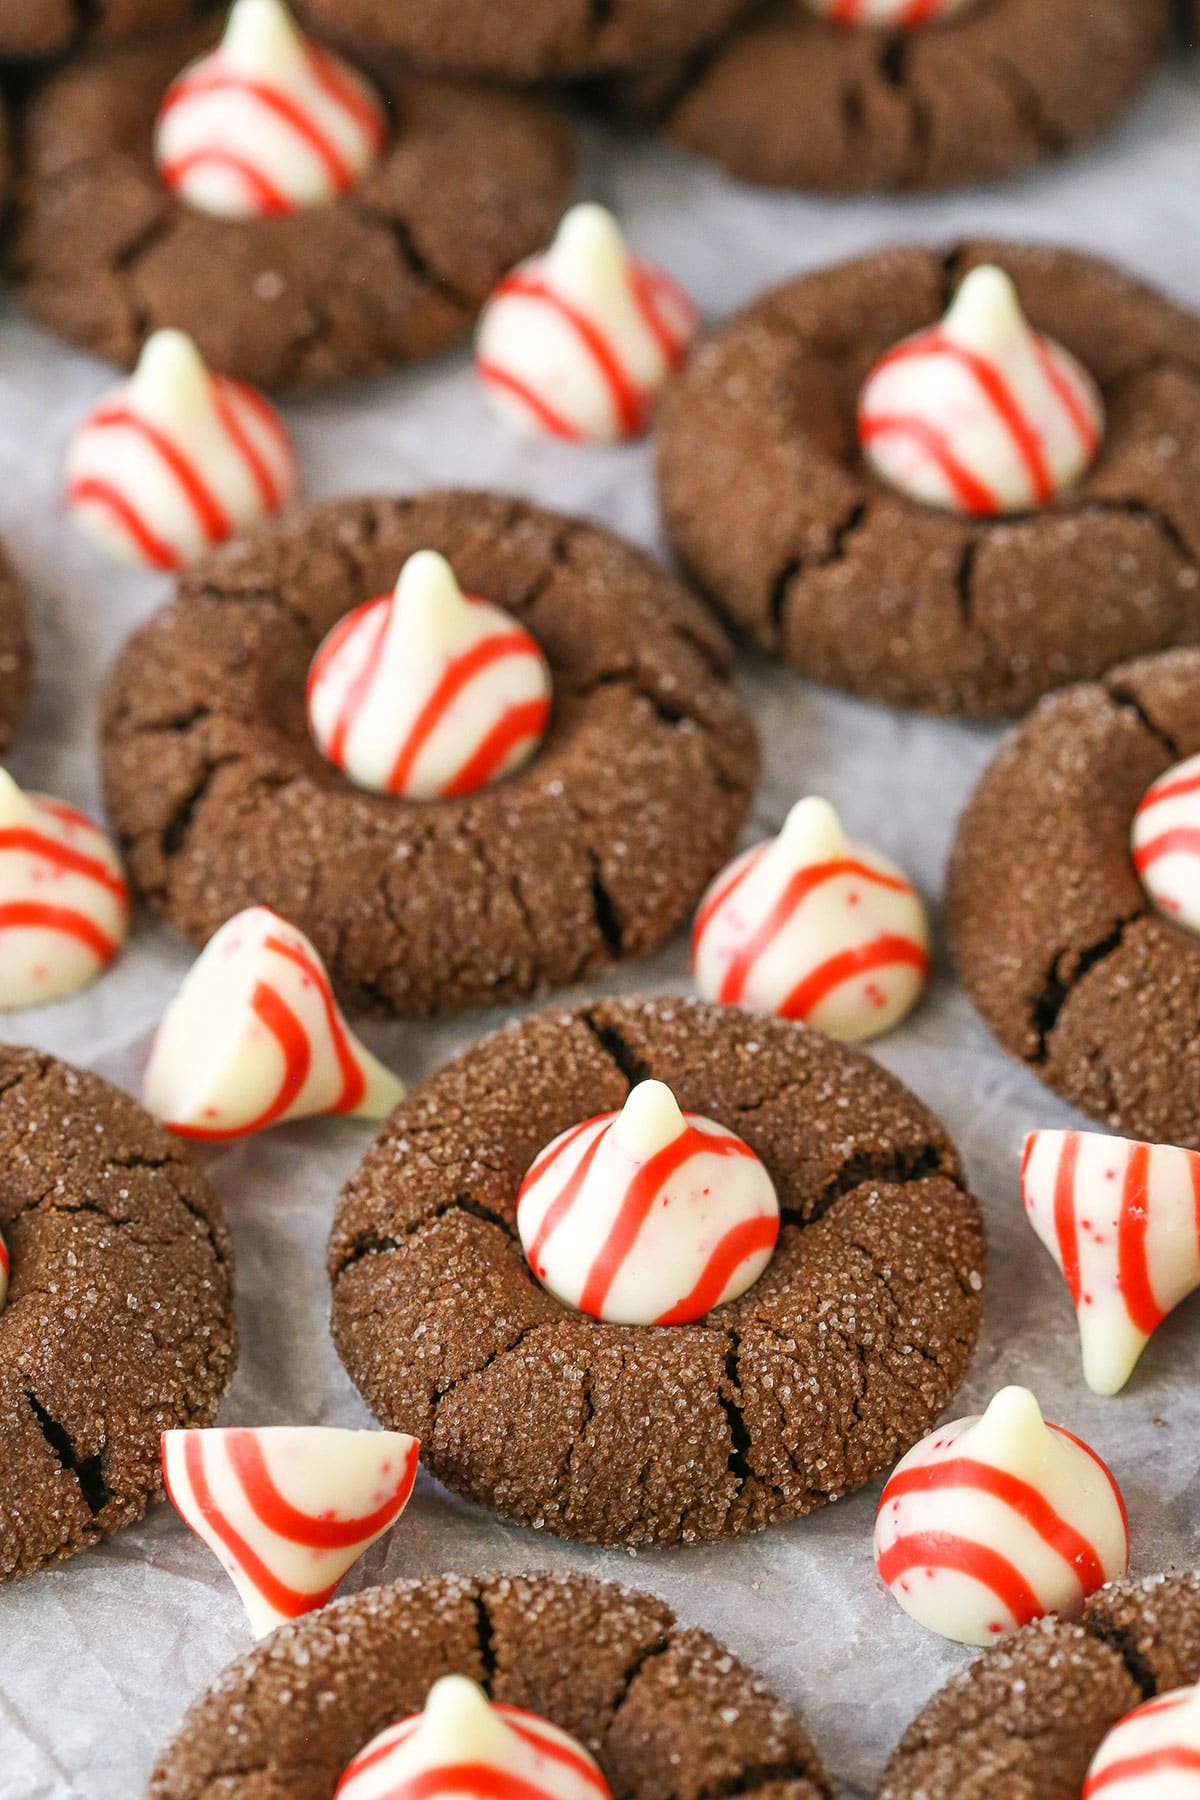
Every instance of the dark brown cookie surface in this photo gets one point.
(1024, 1720)
(103, 254)
(1070, 967)
(596, 850)
(836, 1361)
(668, 1713)
(16, 654)
(528, 40)
(793, 101)
(119, 1323)
(41, 28)
(773, 510)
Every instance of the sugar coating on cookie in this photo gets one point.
(1122, 1221)
(577, 342)
(254, 1038)
(266, 123)
(287, 1509)
(647, 1216)
(1166, 843)
(1153, 1753)
(996, 1519)
(428, 693)
(176, 460)
(64, 903)
(980, 415)
(463, 1743)
(811, 926)
(901, 14)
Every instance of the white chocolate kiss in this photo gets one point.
(1153, 1753)
(897, 14)
(461, 1729)
(577, 341)
(996, 1519)
(1122, 1221)
(648, 1216)
(814, 927)
(176, 459)
(254, 1037)
(287, 1509)
(980, 415)
(426, 693)
(64, 905)
(266, 123)
(1166, 843)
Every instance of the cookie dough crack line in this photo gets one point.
(798, 565)
(1057, 988)
(369, 1245)
(87, 1470)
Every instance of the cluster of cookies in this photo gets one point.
(401, 756)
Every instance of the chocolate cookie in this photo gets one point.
(772, 508)
(795, 101)
(1024, 1720)
(595, 851)
(103, 254)
(119, 1323)
(668, 1713)
(838, 1359)
(41, 28)
(1071, 968)
(16, 654)
(528, 40)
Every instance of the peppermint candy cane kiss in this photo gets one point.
(426, 693)
(577, 342)
(288, 1509)
(813, 927)
(1166, 843)
(266, 123)
(254, 1038)
(649, 1216)
(980, 415)
(1122, 1221)
(465, 1744)
(1153, 1753)
(5, 1266)
(894, 14)
(996, 1519)
(176, 460)
(64, 903)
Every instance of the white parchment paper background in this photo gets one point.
(99, 1658)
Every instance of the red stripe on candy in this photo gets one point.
(883, 952)
(626, 400)
(1133, 1272)
(353, 1081)
(565, 1200)
(292, 1038)
(552, 422)
(1069, 400)
(155, 551)
(1170, 790)
(460, 673)
(1150, 1762)
(1064, 1213)
(517, 726)
(939, 1550)
(211, 516)
(269, 491)
(273, 100)
(741, 1241)
(270, 200)
(532, 1731)
(474, 1781)
(36, 915)
(64, 857)
(721, 893)
(248, 1461)
(1179, 840)
(338, 87)
(970, 493)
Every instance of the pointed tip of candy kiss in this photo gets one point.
(1012, 1418)
(430, 609)
(14, 802)
(985, 309)
(589, 257)
(258, 32)
(1109, 1357)
(461, 1705)
(171, 378)
(649, 1120)
(812, 830)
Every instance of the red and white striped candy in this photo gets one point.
(812, 927)
(64, 904)
(1122, 1221)
(649, 1216)
(176, 460)
(266, 123)
(254, 1037)
(464, 1745)
(287, 1509)
(428, 693)
(1166, 843)
(1153, 1753)
(577, 342)
(996, 1519)
(4, 1268)
(902, 14)
(980, 415)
